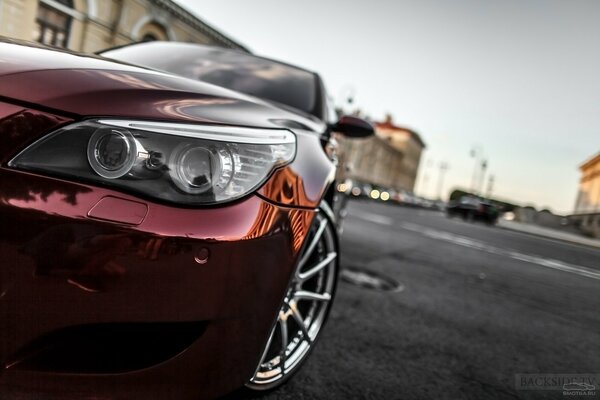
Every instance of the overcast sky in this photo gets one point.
(519, 79)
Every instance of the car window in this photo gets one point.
(469, 201)
(234, 70)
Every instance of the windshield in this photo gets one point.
(234, 70)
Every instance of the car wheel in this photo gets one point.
(304, 310)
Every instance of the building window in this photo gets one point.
(148, 37)
(52, 26)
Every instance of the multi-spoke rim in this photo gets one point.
(304, 310)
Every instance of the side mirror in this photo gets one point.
(353, 127)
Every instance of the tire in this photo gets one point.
(305, 308)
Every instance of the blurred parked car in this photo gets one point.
(405, 197)
(440, 205)
(472, 208)
(162, 237)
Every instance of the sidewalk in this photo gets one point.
(548, 233)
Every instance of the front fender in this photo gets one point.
(304, 182)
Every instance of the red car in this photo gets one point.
(160, 237)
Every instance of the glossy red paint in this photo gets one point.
(132, 92)
(8, 109)
(25, 56)
(102, 88)
(20, 127)
(61, 268)
(302, 182)
(68, 258)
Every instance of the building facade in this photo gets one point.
(389, 159)
(587, 206)
(92, 25)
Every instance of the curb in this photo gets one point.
(587, 243)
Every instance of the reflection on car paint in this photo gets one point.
(22, 126)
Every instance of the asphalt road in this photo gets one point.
(479, 305)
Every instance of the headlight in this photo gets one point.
(182, 163)
(111, 152)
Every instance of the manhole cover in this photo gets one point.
(370, 280)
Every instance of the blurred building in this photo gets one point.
(587, 207)
(92, 25)
(389, 159)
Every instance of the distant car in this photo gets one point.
(410, 199)
(472, 208)
(161, 237)
(425, 203)
(362, 190)
(440, 205)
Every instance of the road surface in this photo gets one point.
(479, 305)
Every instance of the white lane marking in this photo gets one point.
(376, 218)
(478, 245)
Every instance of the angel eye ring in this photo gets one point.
(111, 152)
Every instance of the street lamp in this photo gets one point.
(484, 165)
(425, 177)
(347, 94)
(480, 165)
(443, 168)
(490, 186)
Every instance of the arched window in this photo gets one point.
(52, 26)
(152, 30)
(148, 37)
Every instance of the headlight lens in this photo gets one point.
(182, 163)
(197, 169)
(111, 152)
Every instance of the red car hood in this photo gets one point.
(81, 85)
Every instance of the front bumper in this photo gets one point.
(221, 272)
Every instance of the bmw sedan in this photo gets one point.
(162, 237)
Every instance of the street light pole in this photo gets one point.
(347, 94)
(481, 164)
(484, 165)
(490, 186)
(476, 153)
(425, 177)
(443, 168)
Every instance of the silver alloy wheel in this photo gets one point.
(304, 310)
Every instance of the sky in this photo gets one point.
(519, 80)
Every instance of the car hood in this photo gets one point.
(81, 85)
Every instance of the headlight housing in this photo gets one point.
(186, 164)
